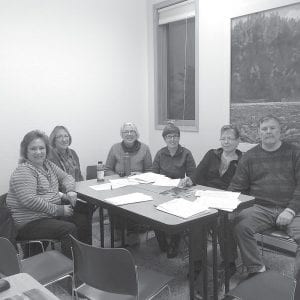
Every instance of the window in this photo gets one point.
(175, 61)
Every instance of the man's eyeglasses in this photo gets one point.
(170, 137)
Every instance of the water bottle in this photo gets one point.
(126, 164)
(100, 171)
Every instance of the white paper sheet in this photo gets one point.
(222, 200)
(101, 187)
(129, 198)
(166, 181)
(148, 177)
(118, 183)
(182, 208)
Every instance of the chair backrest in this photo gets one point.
(3, 200)
(9, 262)
(297, 289)
(91, 172)
(107, 269)
(7, 225)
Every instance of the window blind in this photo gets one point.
(180, 11)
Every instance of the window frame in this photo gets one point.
(160, 68)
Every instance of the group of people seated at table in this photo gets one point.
(44, 204)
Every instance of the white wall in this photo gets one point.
(82, 64)
(214, 71)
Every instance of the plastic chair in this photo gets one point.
(46, 268)
(110, 274)
(277, 240)
(268, 285)
(12, 228)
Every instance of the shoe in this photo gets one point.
(232, 267)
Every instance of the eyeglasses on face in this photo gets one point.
(129, 131)
(62, 136)
(171, 136)
(229, 139)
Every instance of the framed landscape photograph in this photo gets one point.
(265, 71)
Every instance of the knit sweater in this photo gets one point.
(33, 193)
(207, 172)
(272, 177)
(177, 166)
(140, 161)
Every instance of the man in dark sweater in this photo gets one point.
(271, 173)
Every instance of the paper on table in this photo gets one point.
(219, 199)
(182, 208)
(223, 194)
(118, 183)
(101, 187)
(166, 181)
(148, 177)
(129, 198)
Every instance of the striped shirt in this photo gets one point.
(33, 193)
(272, 177)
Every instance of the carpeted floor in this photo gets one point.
(147, 254)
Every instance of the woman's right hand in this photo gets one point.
(68, 210)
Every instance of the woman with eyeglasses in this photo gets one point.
(67, 159)
(173, 161)
(137, 153)
(218, 166)
(216, 170)
(130, 156)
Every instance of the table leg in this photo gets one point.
(112, 231)
(123, 230)
(215, 260)
(191, 264)
(101, 217)
(226, 246)
(204, 262)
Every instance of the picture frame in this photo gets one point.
(265, 71)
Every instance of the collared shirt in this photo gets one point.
(177, 166)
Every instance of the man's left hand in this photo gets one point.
(285, 218)
(72, 197)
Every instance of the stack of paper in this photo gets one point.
(182, 208)
(155, 179)
(129, 198)
(148, 177)
(113, 184)
(222, 200)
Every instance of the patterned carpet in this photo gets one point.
(147, 254)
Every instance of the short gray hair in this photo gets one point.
(132, 125)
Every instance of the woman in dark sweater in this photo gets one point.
(173, 161)
(216, 170)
